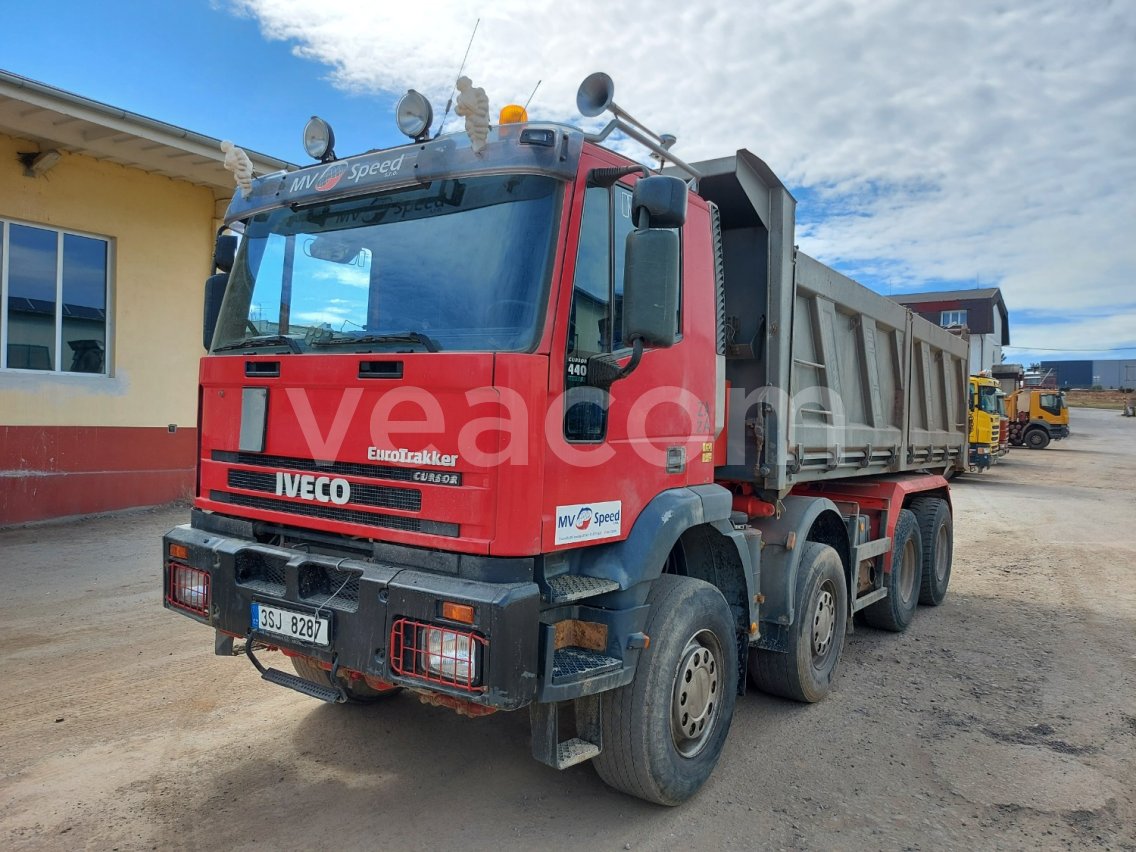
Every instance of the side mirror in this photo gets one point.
(650, 287)
(662, 198)
(651, 266)
(214, 293)
(225, 252)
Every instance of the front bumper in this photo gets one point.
(364, 601)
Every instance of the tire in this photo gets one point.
(816, 639)
(1037, 439)
(358, 691)
(895, 611)
(937, 529)
(653, 746)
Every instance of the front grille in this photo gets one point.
(336, 513)
(376, 471)
(407, 499)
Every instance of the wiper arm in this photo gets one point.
(262, 341)
(426, 342)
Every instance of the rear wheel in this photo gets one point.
(663, 732)
(895, 611)
(357, 690)
(816, 639)
(936, 528)
(1037, 439)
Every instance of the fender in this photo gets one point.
(639, 559)
(781, 555)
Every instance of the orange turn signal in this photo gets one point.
(179, 551)
(457, 612)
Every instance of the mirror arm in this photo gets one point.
(604, 370)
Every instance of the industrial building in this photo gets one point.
(1109, 373)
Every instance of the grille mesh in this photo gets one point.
(336, 513)
(407, 499)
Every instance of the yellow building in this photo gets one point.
(107, 222)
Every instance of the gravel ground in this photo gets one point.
(1005, 718)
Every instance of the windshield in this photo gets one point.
(988, 399)
(452, 265)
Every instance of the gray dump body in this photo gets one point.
(828, 379)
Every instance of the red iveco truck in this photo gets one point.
(533, 426)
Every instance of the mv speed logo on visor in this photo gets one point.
(588, 521)
(319, 489)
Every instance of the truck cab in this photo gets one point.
(1037, 415)
(985, 421)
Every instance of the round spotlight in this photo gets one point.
(414, 115)
(319, 140)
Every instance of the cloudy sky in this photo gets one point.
(929, 144)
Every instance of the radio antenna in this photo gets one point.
(529, 101)
(453, 88)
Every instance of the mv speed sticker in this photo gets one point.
(588, 521)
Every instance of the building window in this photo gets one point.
(949, 319)
(53, 310)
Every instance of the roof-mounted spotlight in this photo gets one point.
(414, 115)
(37, 162)
(319, 140)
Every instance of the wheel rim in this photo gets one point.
(824, 623)
(694, 702)
(942, 553)
(907, 577)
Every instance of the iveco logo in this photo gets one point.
(321, 489)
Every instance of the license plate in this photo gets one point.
(313, 629)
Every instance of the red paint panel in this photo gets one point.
(56, 471)
(68, 449)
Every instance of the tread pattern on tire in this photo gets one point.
(776, 672)
(926, 510)
(886, 614)
(625, 762)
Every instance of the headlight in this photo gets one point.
(449, 655)
(319, 139)
(413, 114)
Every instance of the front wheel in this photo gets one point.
(664, 731)
(1037, 439)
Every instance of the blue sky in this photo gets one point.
(929, 145)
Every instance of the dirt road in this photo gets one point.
(1006, 718)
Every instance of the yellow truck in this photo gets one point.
(985, 421)
(1037, 415)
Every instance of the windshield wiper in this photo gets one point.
(426, 342)
(263, 340)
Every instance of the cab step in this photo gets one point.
(566, 588)
(547, 746)
(570, 664)
(327, 693)
(313, 690)
(573, 751)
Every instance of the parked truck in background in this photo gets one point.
(985, 422)
(530, 426)
(1037, 416)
